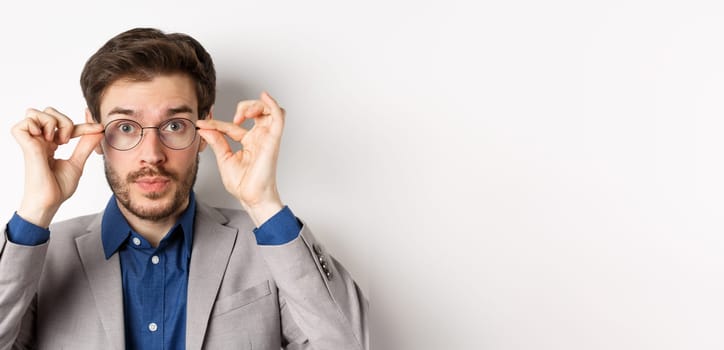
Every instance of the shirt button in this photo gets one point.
(155, 259)
(136, 241)
(152, 327)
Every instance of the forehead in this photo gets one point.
(149, 99)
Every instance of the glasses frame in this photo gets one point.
(143, 133)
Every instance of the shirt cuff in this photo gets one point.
(281, 228)
(21, 232)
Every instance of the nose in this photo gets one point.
(150, 149)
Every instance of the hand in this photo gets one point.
(250, 173)
(49, 181)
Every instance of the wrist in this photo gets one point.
(263, 211)
(41, 217)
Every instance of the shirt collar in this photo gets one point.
(115, 229)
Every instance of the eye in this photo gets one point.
(127, 127)
(175, 126)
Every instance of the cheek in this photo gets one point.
(115, 160)
(109, 154)
(182, 160)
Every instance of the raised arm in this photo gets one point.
(318, 297)
(48, 182)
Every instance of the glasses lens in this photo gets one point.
(123, 134)
(177, 133)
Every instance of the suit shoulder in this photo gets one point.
(236, 217)
(73, 227)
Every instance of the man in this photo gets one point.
(158, 269)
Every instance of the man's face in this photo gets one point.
(151, 181)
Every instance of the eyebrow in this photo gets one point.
(179, 110)
(124, 111)
(169, 112)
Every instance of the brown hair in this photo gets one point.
(142, 54)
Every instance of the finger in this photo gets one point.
(234, 131)
(277, 112)
(64, 125)
(217, 142)
(26, 128)
(44, 122)
(30, 139)
(272, 104)
(247, 110)
(33, 127)
(83, 149)
(86, 129)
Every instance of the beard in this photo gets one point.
(121, 189)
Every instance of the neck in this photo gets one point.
(152, 230)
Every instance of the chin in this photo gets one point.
(154, 195)
(155, 205)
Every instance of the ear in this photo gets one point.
(89, 120)
(210, 116)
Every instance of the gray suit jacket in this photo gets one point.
(64, 294)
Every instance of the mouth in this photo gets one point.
(152, 184)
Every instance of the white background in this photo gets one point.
(499, 175)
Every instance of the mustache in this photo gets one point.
(157, 171)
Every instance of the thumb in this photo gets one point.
(83, 149)
(217, 142)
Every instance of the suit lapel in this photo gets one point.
(212, 246)
(106, 286)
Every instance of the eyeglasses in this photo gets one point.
(124, 134)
